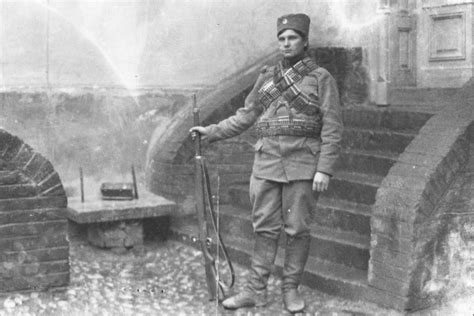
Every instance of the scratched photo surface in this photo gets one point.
(109, 206)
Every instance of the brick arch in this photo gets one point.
(33, 226)
(35, 172)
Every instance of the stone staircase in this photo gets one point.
(338, 263)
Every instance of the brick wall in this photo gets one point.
(408, 222)
(33, 228)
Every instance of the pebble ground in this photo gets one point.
(165, 278)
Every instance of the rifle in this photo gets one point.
(217, 288)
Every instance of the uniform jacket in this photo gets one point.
(286, 158)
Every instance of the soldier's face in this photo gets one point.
(291, 44)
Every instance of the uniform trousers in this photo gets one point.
(278, 205)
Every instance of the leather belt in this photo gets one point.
(290, 127)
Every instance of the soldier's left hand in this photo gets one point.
(320, 182)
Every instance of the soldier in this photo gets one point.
(295, 106)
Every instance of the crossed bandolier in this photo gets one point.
(283, 84)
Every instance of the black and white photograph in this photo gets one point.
(237, 157)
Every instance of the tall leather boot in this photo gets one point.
(255, 291)
(296, 255)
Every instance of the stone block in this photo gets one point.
(118, 234)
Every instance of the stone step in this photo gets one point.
(393, 118)
(381, 140)
(343, 215)
(354, 187)
(344, 247)
(329, 277)
(365, 161)
(339, 215)
(348, 186)
(415, 98)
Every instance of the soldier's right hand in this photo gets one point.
(198, 130)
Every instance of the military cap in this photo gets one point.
(299, 22)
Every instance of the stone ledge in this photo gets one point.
(95, 211)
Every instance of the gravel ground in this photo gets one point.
(164, 278)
